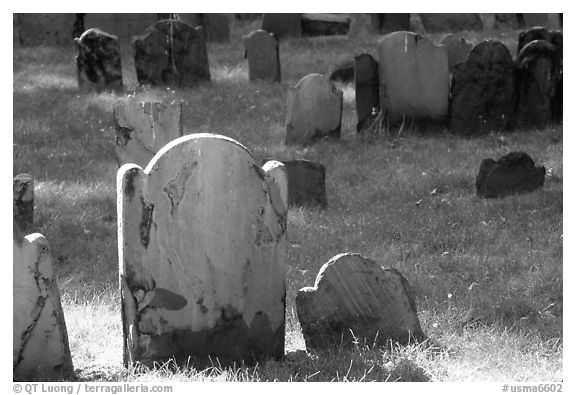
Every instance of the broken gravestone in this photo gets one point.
(367, 87)
(314, 110)
(451, 22)
(458, 49)
(40, 340)
(171, 53)
(325, 24)
(483, 88)
(143, 127)
(414, 79)
(98, 61)
(354, 298)
(512, 174)
(202, 245)
(262, 51)
(282, 25)
(23, 202)
(388, 23)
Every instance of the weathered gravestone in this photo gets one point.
(173, 53)
(367, 87)
(529, 35)
(23, 202)
(262, 51)
(513, 173)
(483, 88)
(388, 23)
(451, 22)
(202, 244)
(354, 298)
(98, 61)
(282, 25)
(45, 29)
(314, 110)
(325, 24)
(458, 49)
(40, 340)
(277, 172)
(414, 79)
(143, 127)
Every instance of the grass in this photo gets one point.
(487, 274)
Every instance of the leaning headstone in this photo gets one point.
(451, 22)
(98, 61)
(458, 49)
(414, 79)
(367, 87)
(172, 53)
(282, 25)
(325, 24)
(202, 246)
(40, 340)
(534, 19)
(354, 298)
(314, 110)
(482, 92)
(144, 127)
(262, 51)
(514, 173)
(45, 29)
(23, 203)
(388, 23)
(529, 35)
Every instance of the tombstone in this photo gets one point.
(325, 25)
(482, 92)
(133, 24)
(388, 23)
(172, 53)
(23, 202)
(528, 35)
(458, 49)
(514, 173)
(305, 182)
(40, 340)
(143, 127)
(354, 298)
(98, 61)
(451, 22)
(510, 21)
(45, 29)
(534, 19)
(262, 51)
(414, 80)
(282, 25)
(202, 246)
(314, 110)
(277, 171)
(367, 86)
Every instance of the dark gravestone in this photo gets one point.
(353, 298)
(512, 174)
(98, 61)
(513, 21)
(451, 22)
(282, 25)
(482, 92)
(367, 85)
(325, 25)
(172, 53)
(306, 183)
(388, 23)
(23, 203)
(535, 33)
(262, 51)
(458, 49)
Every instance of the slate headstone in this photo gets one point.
(98, 61)
(282, 25)
(325, 25)
(23, 203)
(262, 51)
(367, 87)
(451, 22)
(458, 49)
(388, 23)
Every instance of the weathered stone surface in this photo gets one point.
(513, 173)
(535, 19)
(414, 79)
(451, 22)
(282, 25)
(483, 89)
(40, 341)
(388, 23)
(458, 49)
(354, 297)
(98, 61)
(305, 182)
(514, 21)
(279, 174)
(367, 85)
(202, 245)
(45, 29)
(314, 110)
(172, 53)
(143, 127)
(263, 55)
(325, 24)
(23, 203)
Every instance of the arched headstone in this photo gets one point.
(202, 244)
(367, 87)
(263, 55)
(458, 49)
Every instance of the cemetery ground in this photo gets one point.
(486, 273)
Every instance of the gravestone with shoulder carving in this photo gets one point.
(98, 61)
(262, 52)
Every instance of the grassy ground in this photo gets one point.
(487, 274)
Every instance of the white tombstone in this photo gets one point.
(202, 244)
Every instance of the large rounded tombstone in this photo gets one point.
(263, 55)
(414, 79)
(202, 246)
(483, 90)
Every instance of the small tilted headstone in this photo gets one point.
(325, 24)
(514, 173)
(353, 298)
(458, 49)
(262, 52)
(202, 245)
(282, 25)
(367, 86)
(451, 22)
(388, 23)
(23, 202)
(40, 340)
(314, 110)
